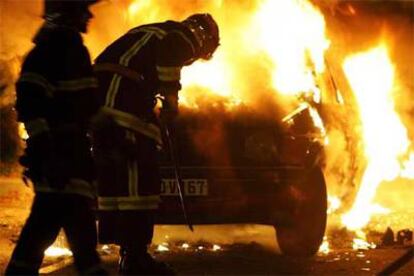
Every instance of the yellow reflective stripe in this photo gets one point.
(160, 33)
(112, 90)
(75, 186)
(38, 80)
(126, 57)
(129, 203)
(189, 42)
(77, 84)
(169, 73)
(134, 123)
(124, 60)
(36, 126)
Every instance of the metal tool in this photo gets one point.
(177, 175)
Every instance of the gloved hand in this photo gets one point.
(169, 110)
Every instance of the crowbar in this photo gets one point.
(177, 175)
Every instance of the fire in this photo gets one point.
(372, 77)
(54, 251)
(297, 51)
(359, 244)
(294, 56)
(211, 74)
(163, 247)
(22, 132)
(333, 204)
(324, 248)
(216, 247)
(141, 6)
(58, 248)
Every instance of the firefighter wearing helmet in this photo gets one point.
(55, 101)
(139, 66)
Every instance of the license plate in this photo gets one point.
(192, 187)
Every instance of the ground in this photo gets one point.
(241, 249)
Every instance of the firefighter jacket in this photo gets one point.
(56, 96)
(144, 62)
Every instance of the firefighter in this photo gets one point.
(132, 72)
(56, 97)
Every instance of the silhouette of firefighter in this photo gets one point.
(133, 71)
(56, 97)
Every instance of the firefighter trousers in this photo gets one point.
(50, 212)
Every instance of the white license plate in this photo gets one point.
(192, 187)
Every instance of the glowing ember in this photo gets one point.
(371, 76)
(22, 132)
(360, 244)
(216, 247)
(162, 247)
(324, 248)
(185, 246)
(54, 251)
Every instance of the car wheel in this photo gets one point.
(304, 234)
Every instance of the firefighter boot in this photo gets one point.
(141, 263)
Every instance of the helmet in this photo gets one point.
(206, 32)
(72, 13)
(66, 7)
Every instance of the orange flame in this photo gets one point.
(296, 51)
(371, 76)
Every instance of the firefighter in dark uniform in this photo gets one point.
(56, 97)
(138, 67)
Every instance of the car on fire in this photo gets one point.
(242, 167)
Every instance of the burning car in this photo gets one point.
(246, 168)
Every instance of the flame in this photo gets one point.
(324, 247)
(23, 132)
(359, 244)
(212, 74)
(216, 247)
(333, 204)
(295, 55)
(371, 76)
(54, 251)
(297, 52)
(58, 248)
(408, 171)
(137, 7)
(162, 247)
